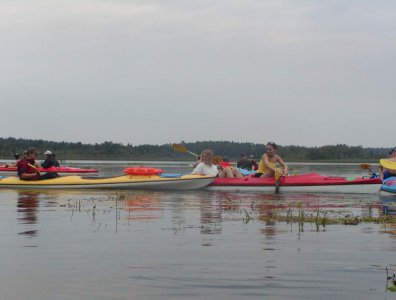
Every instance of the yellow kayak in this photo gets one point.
(154, 182)
(388, 164)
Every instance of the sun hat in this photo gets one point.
(47, 152)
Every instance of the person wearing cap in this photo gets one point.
(244, 163)
(50, 160)
(254, 163)
(14, 164)
(27, 167)
(385, 173)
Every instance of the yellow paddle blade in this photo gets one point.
(182, 149)
(179, 148)
(217, 160)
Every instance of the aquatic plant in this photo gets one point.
(390, 279)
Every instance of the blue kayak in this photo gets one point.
(389, 185)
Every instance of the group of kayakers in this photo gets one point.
(267, 167)
(270, 165)
(27, 167)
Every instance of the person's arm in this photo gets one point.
(283, 164)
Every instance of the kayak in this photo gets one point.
(306, 183)
(155, 182)
(389, 186)
(53, 169)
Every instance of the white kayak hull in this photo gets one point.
(186, 182)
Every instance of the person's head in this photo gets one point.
(48, 153)
(251, 157)
(207, 156)
(226, 159)
(271, 148)
(16, 156)
(31, 153)
(393, 152)
(243, 154)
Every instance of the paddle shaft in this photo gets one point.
(278, 177)
(34, 167)
(192, 153)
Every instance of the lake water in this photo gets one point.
(193, 245)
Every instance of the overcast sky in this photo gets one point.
(295, 72)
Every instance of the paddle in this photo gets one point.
(217, 160)
(366, 166)
(278, 176)
(34, 167)
(180, 148)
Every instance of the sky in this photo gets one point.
(307, 73)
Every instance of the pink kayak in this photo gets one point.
(305, 183)
(53, 169)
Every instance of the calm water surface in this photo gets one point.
(192, 245)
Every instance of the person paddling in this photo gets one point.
(50, 160)
(268, 163)
(14, 164)
(205, 166)
(27, 167)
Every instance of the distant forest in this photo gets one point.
(117, 151)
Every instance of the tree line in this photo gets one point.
(117, 151)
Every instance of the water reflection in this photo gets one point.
(226, 245)
(143, 206)
(27, 206)
(211, 215)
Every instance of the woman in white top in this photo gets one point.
(206, 167)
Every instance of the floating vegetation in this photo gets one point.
(247, 217)
(295, 212)
(390, 281)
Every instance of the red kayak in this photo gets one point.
(53, 169)
(305, 183)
